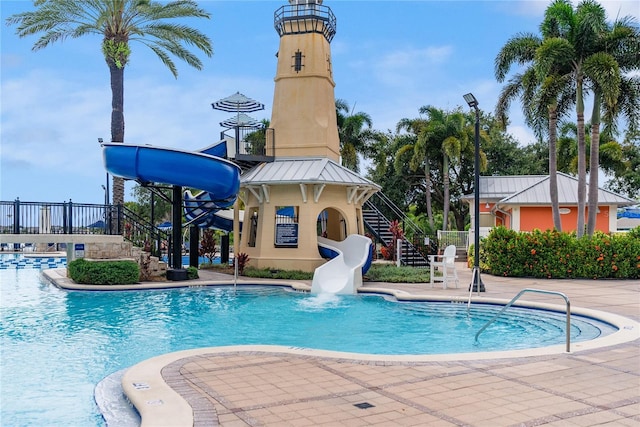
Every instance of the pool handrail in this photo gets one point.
(540, 291)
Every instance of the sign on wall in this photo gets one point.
(287, 235)
(78, 250)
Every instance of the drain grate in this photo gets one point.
(364, 405)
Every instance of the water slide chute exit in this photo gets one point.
(343, 273)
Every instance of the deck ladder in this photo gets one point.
(539, 291)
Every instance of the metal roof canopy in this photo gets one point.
(237, 103)
(304, 170)
(534, 190)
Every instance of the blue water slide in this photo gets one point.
(202, 211)
(219, 177)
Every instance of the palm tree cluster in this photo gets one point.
(578, 54)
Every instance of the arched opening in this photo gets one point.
(332, 224)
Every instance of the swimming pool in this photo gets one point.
(57, 345)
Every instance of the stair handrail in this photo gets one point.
(409, 247)
(540, 291)
(139, 223)
(396, 210)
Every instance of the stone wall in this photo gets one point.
(151, 268)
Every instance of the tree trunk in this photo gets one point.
(582, 161)
(427, 177)
(553, 167)
(117, 122)
(445, 196)
(594, 165)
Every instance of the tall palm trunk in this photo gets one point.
(553, 166)
(117, 121)
(594, 164)
(582, 161)
(429, 186)
(445, 190)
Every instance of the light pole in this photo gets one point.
(106, 190)
(476, 281)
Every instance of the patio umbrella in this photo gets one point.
(237, 103)
(241, 120)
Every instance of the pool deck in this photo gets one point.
(283, 386)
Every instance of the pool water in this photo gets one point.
(57, 345)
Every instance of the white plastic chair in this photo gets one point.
(445, 265)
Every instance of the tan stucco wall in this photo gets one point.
(304, 107)
(305, 257)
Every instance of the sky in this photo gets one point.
(389, 59)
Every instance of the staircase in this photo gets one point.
(378, 212)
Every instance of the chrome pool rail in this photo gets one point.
(539, 291)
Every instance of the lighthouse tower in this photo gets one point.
(304, 107)
(304, 196)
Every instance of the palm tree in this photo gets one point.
(545, 95)
(574, 44)
(441, 136)
(119, 22)
(354, 129)
(417, 146)
(618, 54)
(521, 49)
(446, 129)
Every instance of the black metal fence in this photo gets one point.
(19, 217)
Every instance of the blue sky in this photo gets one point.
(389, 59)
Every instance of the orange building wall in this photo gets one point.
(540, 217)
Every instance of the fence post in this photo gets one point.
(119, 219)
(70, 217)
(16, 216)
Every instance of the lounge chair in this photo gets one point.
(445, 265)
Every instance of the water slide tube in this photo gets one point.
(200, 210)
(343, 273)
(146, 163)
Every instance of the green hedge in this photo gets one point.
(104, 272)
(559, 255)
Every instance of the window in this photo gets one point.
(297, 61)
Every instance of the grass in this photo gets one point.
(377, 273)
(393, 274)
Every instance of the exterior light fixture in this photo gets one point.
(476, 282)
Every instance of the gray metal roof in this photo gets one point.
(304, 170)
(538, 193)
(499, 187)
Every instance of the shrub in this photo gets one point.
(268, 273)
(192, 273)
(208, 246)
(242, 259)
(558, 255)
(104, 272)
